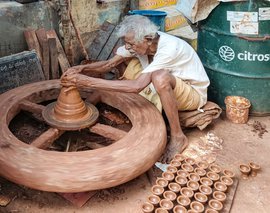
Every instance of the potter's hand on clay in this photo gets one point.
(72, 70)
(69, 80)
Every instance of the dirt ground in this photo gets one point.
(239, 143)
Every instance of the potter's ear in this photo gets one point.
(149, 39)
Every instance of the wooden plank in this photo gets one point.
(62, 58)
(107, 49)
(53, 58)
(99, 42)
(43, 41)
(32, 42)
(230, 197)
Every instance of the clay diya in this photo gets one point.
(154, 199)
(193, 185)
(174, 187)
(215, 168)
(254, 168)
(219, 186)
(228, 173)
(169, 195)
(166, 204)
(245, 170)
(200, 172)
(191, 211)
(220, 196)
(175, 163)
(206, 181)
(194, 177)
(190, 161)
(215, 204)
(205, 190)
(211, 211)
(162, 182)
(161, 210)
(203, 164)
(168, 176)
(157, 190)
(179, 157)
(147, 207)
(182, 181)
(197, 206)
(172, 169)
(183, 200)
(200, 197)
(187, 167)
(226, 180)
(212, 176)
(182, 173)
(187, 192)
(179, 209)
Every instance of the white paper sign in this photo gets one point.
(242, 16)
(264, 13)
(251, 28)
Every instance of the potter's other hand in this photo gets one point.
(72, 70)
(69, 80)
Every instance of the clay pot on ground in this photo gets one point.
(179, 209)
(187, 167)
(205, 190)
(245, 170)
(182, 173)
(200, 172)
(215, 168)
(147, 207)
(166, 204)
(175, 163)
(190, 161)
(194, 177)
(228, 173)
(200, 197)
(182, 181)
(187, 192)
(203, 164)
(172, 169)
(219, 186)
(183, 200)
(162, 182)
(215, 204)
(168, 176)
(154, 199)
(206, 181)
(193, 185)
(157, 190)
(220, 196)
(170, 195)
(211, 211)
(174, 187)
(197, 206)
(254, 168)
(226, 180)
(161, 210)
(179, 157)
(212, 176)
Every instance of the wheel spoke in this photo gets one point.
(108, 131)
(47, 138)
(35, 109)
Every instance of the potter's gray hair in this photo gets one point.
(141, 26)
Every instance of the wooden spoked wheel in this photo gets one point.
(132, 153)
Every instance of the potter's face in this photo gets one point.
(133, 47)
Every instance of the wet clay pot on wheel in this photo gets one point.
(174, 187)
(183, 200)
(147, 207)
(200, 197)
(197, 206)
(245, 170)
(154, 199)
(166, 204)
(254, 168)
(215, 204)
(220, 196)
(179, 209)
(157, 190)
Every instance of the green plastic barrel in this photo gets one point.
(234, 46)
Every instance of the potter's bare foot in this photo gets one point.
(176, 145)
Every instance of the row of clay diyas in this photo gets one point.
(249, 169)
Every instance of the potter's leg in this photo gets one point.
(164, 84)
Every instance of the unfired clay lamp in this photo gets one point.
(211, 211)
(69, 112)
(194, 177)
(182, 173)
(200, 172)
(205, 190)
(228, 173)
(169, 176)
(220, 196)
(219, 186)
(245, 170)
(200, 197)
(154, 199)
(157, 190)
(206, 181)
(190, 161)
(197, 206)
(254, 168)
(179, 209)
(147, 207)
(203, 164)
(175, 163)
(179, 157)
(182, 181)
(187, 192)
(172, 169)
(166, 204)
(193, 185)
(215, 168)
(174, 187)
(212, 176)
(170, 195)
(187, 167)
(226, 180)
(215, 204)
(161, 210)
(183, 200)
(162, 182)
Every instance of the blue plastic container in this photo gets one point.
(157, 17)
